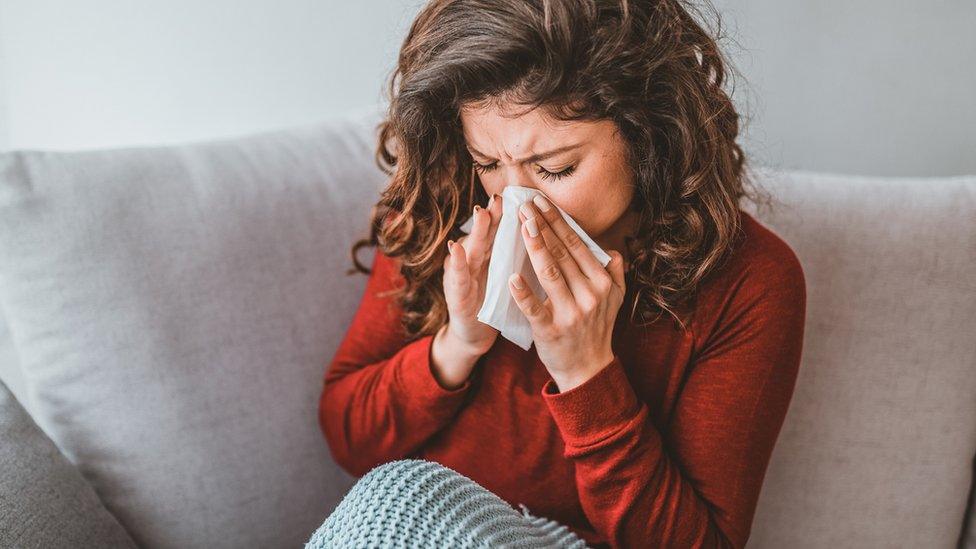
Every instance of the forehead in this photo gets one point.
(507, 126)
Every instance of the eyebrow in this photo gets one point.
(534, 157)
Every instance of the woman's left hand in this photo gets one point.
(573, 326)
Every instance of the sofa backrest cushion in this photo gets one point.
(877, 447)
(10, 372)
(173, 309)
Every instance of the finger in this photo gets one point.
(537, 312)
(457, 278)
(495, 209)
(588, 264)
(578, 283)
(476, 247)
(547, 268)
(616, 269)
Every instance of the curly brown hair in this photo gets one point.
(648, 66)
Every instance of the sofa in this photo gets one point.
(168, 313)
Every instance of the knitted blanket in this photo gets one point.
(414, 503)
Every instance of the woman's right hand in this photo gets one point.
(465, 278)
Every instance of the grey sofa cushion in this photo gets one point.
(877, 447)
(173, 309)
(968, 540)
(44, 501)
(9, 364)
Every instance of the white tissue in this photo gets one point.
(509, 255)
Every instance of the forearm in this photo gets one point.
(630, 488)
(386, 410)
(636, 493)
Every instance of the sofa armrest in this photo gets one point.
(44, 500)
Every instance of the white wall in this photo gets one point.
(870, 86)
(121, 72)
(865, 86)
(4, 125)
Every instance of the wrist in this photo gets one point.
(451, 363)
(461, 348)
(571, 379)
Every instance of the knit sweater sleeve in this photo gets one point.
(698, 484)
(380, 400)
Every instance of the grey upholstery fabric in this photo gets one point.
(877, 447)
(44, 501)
(173, 309)
(9, 365)
(968, 540)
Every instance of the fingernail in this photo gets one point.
(517, 282)
(541, 202)
(491, 200)
(476, 208)
(450, 247)
(530, 225)
(526, 210)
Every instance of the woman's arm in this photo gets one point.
(381, 398)
(699, 486)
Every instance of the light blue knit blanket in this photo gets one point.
(415, 503)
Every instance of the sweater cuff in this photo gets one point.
(595, 409)
(418, 377)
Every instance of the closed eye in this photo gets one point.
(546, 174)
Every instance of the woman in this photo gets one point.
(646, 412)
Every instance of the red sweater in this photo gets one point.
(665, 446)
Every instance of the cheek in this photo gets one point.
(594, 200)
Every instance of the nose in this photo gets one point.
(522, 180)
(528, 185)
(512, 177)
(516, 183)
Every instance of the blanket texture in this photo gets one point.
(414, 503)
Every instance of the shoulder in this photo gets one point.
(761, 277)
(764, 257)
(384, 274)
(383, 262)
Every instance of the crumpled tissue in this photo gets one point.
(509, 255)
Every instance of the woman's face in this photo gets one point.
(580, 166)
